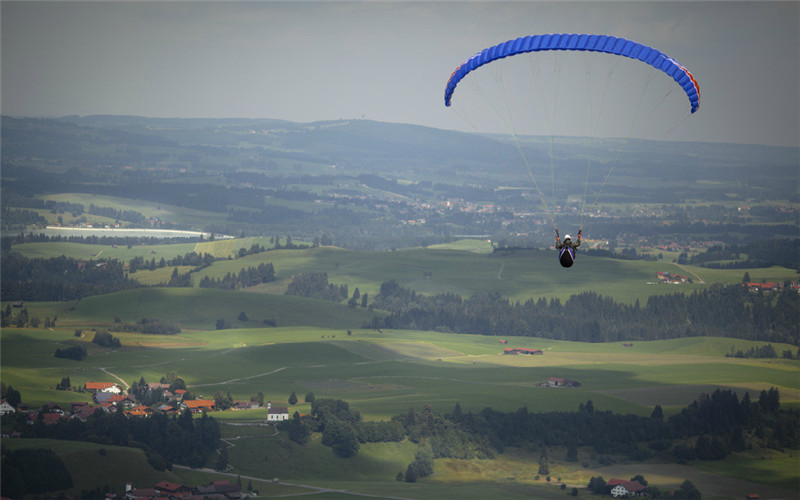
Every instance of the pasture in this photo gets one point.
(321, 347)
(382, 374)
(462, 267)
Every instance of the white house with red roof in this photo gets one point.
(623, 488)
(103, 387)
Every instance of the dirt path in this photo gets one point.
(105, 370)
(697, 276)
(239, 379)
(315, 489)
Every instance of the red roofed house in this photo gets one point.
(622, 488)
(167, 488)
(103, 387)
(198, 405)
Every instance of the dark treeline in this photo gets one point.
(32, 471)
(129, 241)
(113, 213)
(189, 259)
(761, 253)
(251, 276)
(316, 286)
(20, 218)
(720, 311)
(165, 439)
(148, 325)
(711, 427)
(60, 278)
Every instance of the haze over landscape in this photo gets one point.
(386, 61)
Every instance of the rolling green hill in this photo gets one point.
(200, 309)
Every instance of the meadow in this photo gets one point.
(321, 347)
(382, 374)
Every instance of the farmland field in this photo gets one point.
(322, 347)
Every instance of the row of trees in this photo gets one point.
(59, 278)
(24, 319)
(710, 428)
(263, 273)
(728, 311)
(315, 285)
(180, 439)
(759, 253)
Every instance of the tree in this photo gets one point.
(13, 396)
(222, 460)
(299, 432)
(293, 398)
(544, 466)
(687, 491)
(572, 452)
(341, 437)
(658, 413)
(597, 485)
(309, 397)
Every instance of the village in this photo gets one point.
(111, 398)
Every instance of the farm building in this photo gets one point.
(521, 350)
(623, 488)
(277, 413)
(199, 405)
(561, 382)
(103, 387)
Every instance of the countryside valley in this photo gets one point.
(346, 319)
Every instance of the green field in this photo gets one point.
(322, 347)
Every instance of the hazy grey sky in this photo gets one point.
(387, 61)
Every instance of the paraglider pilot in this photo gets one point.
(566, 254)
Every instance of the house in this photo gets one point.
(199, 405)
(6, 408)
(522, 350)
(561, 382)
(245, 405)
(166, 488)
(142, 493)
(277, 413)
(103, 387)
(226, 488)
(623, 488)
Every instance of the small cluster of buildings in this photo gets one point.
(675, 279)
(559, 382)
(110, 398)
(521, 350)
(165, 490)
(621, 488)
(768, 286)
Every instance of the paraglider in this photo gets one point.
(566, 254)
(534, 45)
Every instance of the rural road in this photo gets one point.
(239, 379)
(105, 370)
(316, 489)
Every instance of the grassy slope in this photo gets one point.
(384, 373)
(200, 308)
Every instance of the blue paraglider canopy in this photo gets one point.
(594, 43)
